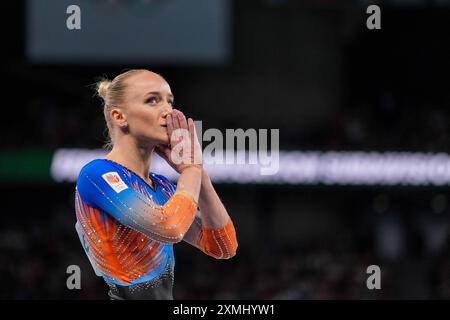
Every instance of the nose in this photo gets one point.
(167, 109)
(165, 113)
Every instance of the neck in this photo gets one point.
(128, 153)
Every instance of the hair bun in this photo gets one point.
(102, 88)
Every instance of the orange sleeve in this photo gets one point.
(220, 243)
(103, 187)
(173, 220)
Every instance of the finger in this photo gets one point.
(192, 132)
(191, 128)
(194, 141)
(169, 124)
(176, 122)
(182, 120)
(178, 125)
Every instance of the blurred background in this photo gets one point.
(311, 69)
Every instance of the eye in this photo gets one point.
(152, 100)
(171, 102)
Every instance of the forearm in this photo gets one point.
(214, 214)
(190, 182)
(215, 234)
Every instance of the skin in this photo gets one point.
(144, 123)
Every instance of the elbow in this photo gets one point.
(172, 236)
(226, 255)
(231, 254)
(220, 243)
(177, 235)
(172, 240)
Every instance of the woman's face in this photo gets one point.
(148, 100)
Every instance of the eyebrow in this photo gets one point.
(158, 93)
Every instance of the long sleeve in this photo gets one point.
(109, 189)
(220, 243)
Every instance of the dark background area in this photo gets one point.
(314, 71)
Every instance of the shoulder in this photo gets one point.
(99, 167)
(101, 171)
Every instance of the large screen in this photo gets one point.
(128, 31)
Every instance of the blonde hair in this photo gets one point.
(112, 92)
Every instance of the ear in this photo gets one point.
(118, 117)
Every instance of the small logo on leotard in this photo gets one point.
(115, 181)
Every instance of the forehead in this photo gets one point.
(144, 82)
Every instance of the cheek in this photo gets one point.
(143, 120)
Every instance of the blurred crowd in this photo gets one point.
(387, 122)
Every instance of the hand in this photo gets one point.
(184, 150)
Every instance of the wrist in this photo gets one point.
(206, 186)
(205, 176)
(192, 168)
